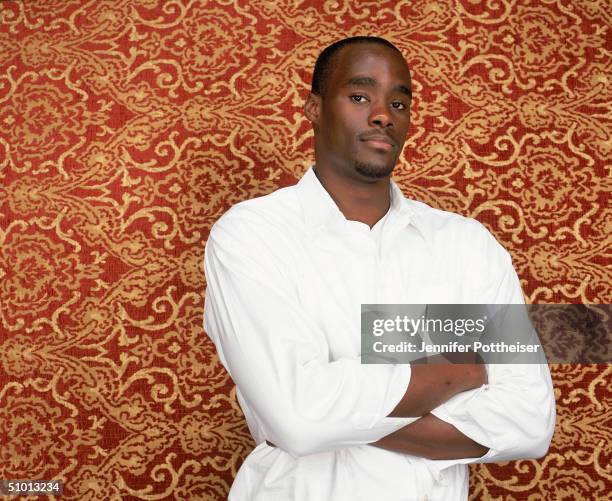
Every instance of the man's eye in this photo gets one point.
(398, 105)
(358, 99)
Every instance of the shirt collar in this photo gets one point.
(319, 208)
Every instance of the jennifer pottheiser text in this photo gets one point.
(455, 347)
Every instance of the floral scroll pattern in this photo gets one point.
(128, 127)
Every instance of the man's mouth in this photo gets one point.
(378, 141)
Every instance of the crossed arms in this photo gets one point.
(304, 403)
(429, 436)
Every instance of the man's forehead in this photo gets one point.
(366, 54)
(353, 59)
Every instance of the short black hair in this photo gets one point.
(323, 66)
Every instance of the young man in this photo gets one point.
(287, 274)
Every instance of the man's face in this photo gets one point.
(362, 120)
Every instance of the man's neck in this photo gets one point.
(364, 201)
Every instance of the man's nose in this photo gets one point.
(380, 116)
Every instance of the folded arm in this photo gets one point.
(512, 416)
(432, 438)
(278, 356)
(430, 386)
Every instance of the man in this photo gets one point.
(287, 274)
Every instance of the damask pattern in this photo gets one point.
(128, 127)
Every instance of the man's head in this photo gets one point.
(360, 107)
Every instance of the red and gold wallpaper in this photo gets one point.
(128, 127)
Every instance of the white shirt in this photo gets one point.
(287, 274)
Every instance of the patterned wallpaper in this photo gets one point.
(128, 127)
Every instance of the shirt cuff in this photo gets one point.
(380, 422)
(457, 411)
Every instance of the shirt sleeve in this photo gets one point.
(514, 414)
(278, 357)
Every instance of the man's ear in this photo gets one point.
(312, 108)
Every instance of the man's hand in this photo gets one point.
(431, 438)
(433, 384)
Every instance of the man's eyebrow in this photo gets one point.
(355, 81)
(371, 82)
(404, 89)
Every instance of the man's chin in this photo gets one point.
(373, 171)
